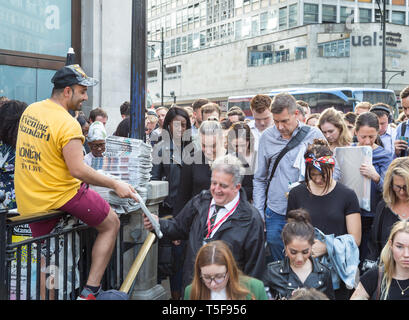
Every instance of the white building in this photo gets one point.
(218, 48)
(213, 48)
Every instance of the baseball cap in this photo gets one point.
(70, 75)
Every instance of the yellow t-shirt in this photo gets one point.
(42, 180)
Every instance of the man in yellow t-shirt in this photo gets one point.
(50, 172)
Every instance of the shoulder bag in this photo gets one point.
(295, 141)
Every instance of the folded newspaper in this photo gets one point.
(128, 160)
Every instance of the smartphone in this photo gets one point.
(404, 138)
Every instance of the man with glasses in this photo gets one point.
(96, 141)
(221, 213)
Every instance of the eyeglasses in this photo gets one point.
(398, 188)
(98, 146)
(218, 278)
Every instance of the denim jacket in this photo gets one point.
(342, 258)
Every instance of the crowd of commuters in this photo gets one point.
(255, 208)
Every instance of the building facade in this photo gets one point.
(212, 48)
(219, 48)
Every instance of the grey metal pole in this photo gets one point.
(162, 52)
(138, 70)
(384, 45)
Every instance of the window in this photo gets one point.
(329, 14)
(398, 17)
(237, 30)
(260, 55)
(310, 13)
(378, 16)
(282, 18)
(255, 26)
(300, 53)
(152, 76)
(173, 72)
(346, 13)
(334, 49)
(282, 56)
(365, 15)
(292, 16)
(263, 22)
(34, 39)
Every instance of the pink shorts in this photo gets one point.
(87, 205)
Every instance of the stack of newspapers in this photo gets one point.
(128, 160)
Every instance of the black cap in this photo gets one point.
(70, 75)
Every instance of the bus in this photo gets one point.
(344, 99)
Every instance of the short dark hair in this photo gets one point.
(350, 117)
(197, 104)
(209, 108)
(260, 102)
(125, 108)
(10, 114)
(404, 93)
(97, 112)
(123, 128)
(282, 101)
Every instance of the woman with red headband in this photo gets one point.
(333, 207)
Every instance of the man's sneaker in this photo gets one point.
(87, 294)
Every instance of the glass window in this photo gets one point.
(25, 84)
(300, 53)
(255, 26)
(178, 45)
(292, 16)
(338, 48)
(190, 42)
(282, 56)
(260, 55)
(246, 27)
(365, 15)
(310, 13)
(263, 22)
(329, 14)
(273, 20)
(237, 30)
(41, 27)
(345, 13)
(282, 17)
(398, 17)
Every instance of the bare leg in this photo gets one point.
(103, 247)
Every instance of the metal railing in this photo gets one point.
(54, 266)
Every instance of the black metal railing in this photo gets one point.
(54, 266)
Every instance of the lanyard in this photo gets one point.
(210, 230)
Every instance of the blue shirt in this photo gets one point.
(270, 145)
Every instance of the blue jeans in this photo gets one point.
(274, 225)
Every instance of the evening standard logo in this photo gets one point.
(33, 127)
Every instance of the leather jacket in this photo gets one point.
(282, 280)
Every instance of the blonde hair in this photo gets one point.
(387, 261)
(218, 252)
(335, 117)
(398, 167)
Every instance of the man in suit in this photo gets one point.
(221, 213)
